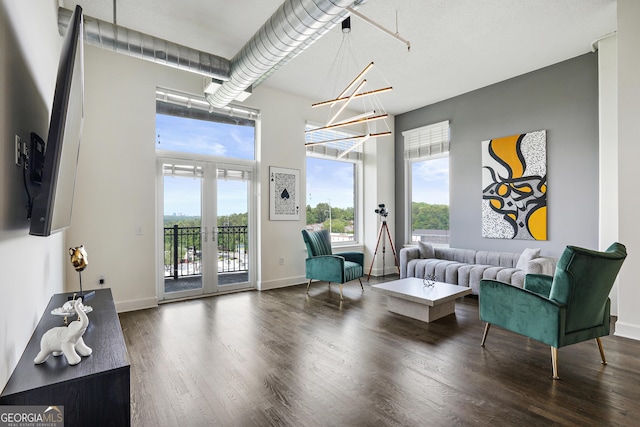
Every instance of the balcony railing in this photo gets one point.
(183, 250)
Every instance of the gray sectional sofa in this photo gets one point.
(466, 267)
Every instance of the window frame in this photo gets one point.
(248, 168)
(175, 103)
(357, 159)
(409, 191)
(425, 143)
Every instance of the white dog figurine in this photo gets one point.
(66, 340)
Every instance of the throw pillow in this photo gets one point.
(426, 250)
(526, 256)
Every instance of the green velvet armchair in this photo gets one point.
(323, 265)
(570, 307)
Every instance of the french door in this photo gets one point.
(204, 227)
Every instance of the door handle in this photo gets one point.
(203, 232)
(214, 233)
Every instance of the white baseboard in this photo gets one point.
(627, 330)
(138, 304)
(281, 283)
(377, 271)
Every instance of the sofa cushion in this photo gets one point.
(434, 266)
(352, 271)
(517, 278)
(526, 256)
(498, 259)
(447, 271)
(466, 256)
(491, 272)
(505, 274)
(464, 274)
(426, 250)
(419, 267)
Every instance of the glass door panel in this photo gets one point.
(182, 230)
(233, 205)
(205, 228)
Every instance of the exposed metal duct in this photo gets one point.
(123, 40)
(292, 28)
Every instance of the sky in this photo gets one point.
(327, 181)
(204, 137)
(430, 181)
(182, 195)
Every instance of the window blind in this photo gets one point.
(172, 169)
(233, 174)
(426, 141)
(196, 171)
(331, 150)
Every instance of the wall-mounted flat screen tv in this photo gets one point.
(51, 209)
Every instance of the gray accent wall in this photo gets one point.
(561, 98)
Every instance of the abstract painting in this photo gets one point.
(284, 194)
(514, 187)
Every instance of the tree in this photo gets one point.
(320, 214)
(337, 225)
(425, 216)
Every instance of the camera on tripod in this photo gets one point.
(384, 232)
(382, 211)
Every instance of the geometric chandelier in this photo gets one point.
(354, 92)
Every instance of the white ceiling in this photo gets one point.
(456, 45)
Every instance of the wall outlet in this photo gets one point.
(101, 280)
(281, 261)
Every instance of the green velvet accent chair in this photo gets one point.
(324, 265)
(569, 307)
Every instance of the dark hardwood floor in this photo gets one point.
(280, 358)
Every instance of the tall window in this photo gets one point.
(426, 153)
(188, 124)
(332, 186)
(206, 163)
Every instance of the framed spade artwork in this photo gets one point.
(284, 194)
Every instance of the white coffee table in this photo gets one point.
(409, 297)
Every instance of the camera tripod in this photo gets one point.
(383, 229)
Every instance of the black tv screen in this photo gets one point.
(51, 210)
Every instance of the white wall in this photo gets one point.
(115, 190)
(283, 122)
(608, 149)
(628, 324)
(32, 267)
(379, 172)
(283, 119)
(115, 193)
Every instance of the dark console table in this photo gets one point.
(96, 391)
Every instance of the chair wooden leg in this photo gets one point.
(484, 335)
(604, 361)
(341, 297)
(554, 362)
(308, 284)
